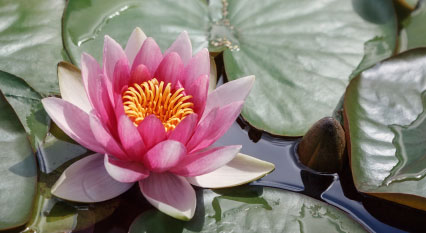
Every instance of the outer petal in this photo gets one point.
(112, 53)
(170, 69)
(197, 66)
(184, 129)
(229, 92)
(164, 155)
(71, 86)
(182, 46)
(152, 131)
(134, 44)
(95, 86)
(73, 121)
(123, 171)
(198, 90)
(149, 55)
(171, 194)
(88, 181)
(241, 170)
(200, 163)
(130, 139)
(211, 129)
(90, 72)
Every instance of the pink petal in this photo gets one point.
(121, 77)
(241, 170)
(134, 44)
(149, 55)
(103, 136)
(202, 129)
(152, 131)
(184, 129)
(124, 171)
(182, 46)
(95, 88)
(139, 75)
(105, 108)
(88, 181)
(198, 90)
(170, 194)
(90, 72)
(112, 54)
(73, 121)
(199, 163)
(211, 129)
(130, 139)
(197, 66)
(236, 90)
(170, 69)
(164, 155)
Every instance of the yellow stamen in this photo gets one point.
(152, 97)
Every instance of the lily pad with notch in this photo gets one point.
(384, 117)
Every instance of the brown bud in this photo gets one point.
(322, 148)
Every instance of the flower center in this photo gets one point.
(153, 97)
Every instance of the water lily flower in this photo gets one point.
(149, 118)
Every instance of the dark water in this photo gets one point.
(374, 214)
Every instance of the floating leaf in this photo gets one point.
(251, 209)
(27, 105)
(301, 52)
(30, 41)
(18, 169)
(85, 25)
(384, 111)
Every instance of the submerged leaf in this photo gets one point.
(251, 209)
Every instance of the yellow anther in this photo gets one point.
(153, 97)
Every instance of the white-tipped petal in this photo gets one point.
(241, 170)
(71, 86)
(213, 75)
(170, 194)
(134, 43)
(88, 181)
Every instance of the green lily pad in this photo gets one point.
(413, 33)
(85, 25)
(384, 120)
(18, 170)
(27, 104)
(302, 53)
(251, 209)
(30, 41)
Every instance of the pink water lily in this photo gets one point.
(149, 118)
